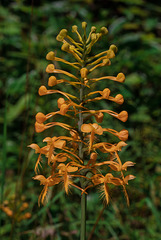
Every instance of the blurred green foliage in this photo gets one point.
(27, 33)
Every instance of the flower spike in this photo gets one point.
(73, 160)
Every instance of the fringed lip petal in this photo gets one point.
(47, 182)
(93, 129)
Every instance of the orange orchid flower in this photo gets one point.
(43, 150)
(64, 171)
(122, 116)
(93, 129)
(108, 147)
(120, 78)
(122, 135)
(53, 143)
(51, 69)
(47, 182)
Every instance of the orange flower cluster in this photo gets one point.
(18, 214)
(76, 154)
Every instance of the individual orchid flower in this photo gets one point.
(93, 129)
(53, 143)
(47, 182)
(65, 172)
(43, 150)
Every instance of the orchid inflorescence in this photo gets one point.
(76, 155)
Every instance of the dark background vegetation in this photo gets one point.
(26, 34)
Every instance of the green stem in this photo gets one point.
(83, 197)
(83, 216)
(81, 155)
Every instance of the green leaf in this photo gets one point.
(15, 110)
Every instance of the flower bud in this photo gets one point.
(98, 35)
(105, 93)
(62, 34)
(104, 30)
(84, 25)
(74, 28)
(50, 68)
(93, 29)
(84, 72)
(64, 108)
(39, 127)
(71, 47)
(50, 56)
(93, 37)
(40, 117)
(59, 38)
(110, 54)
(123, 116)
(24, 206)
(52, 81)
(65, 47)
(113, 48)
(60, 101)
(93, 156)
(120, 77)
(8, 211)
(42, 91)
(99, 117)
(106, 62)
(27, 215)
(119, 99)
(123, 135)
